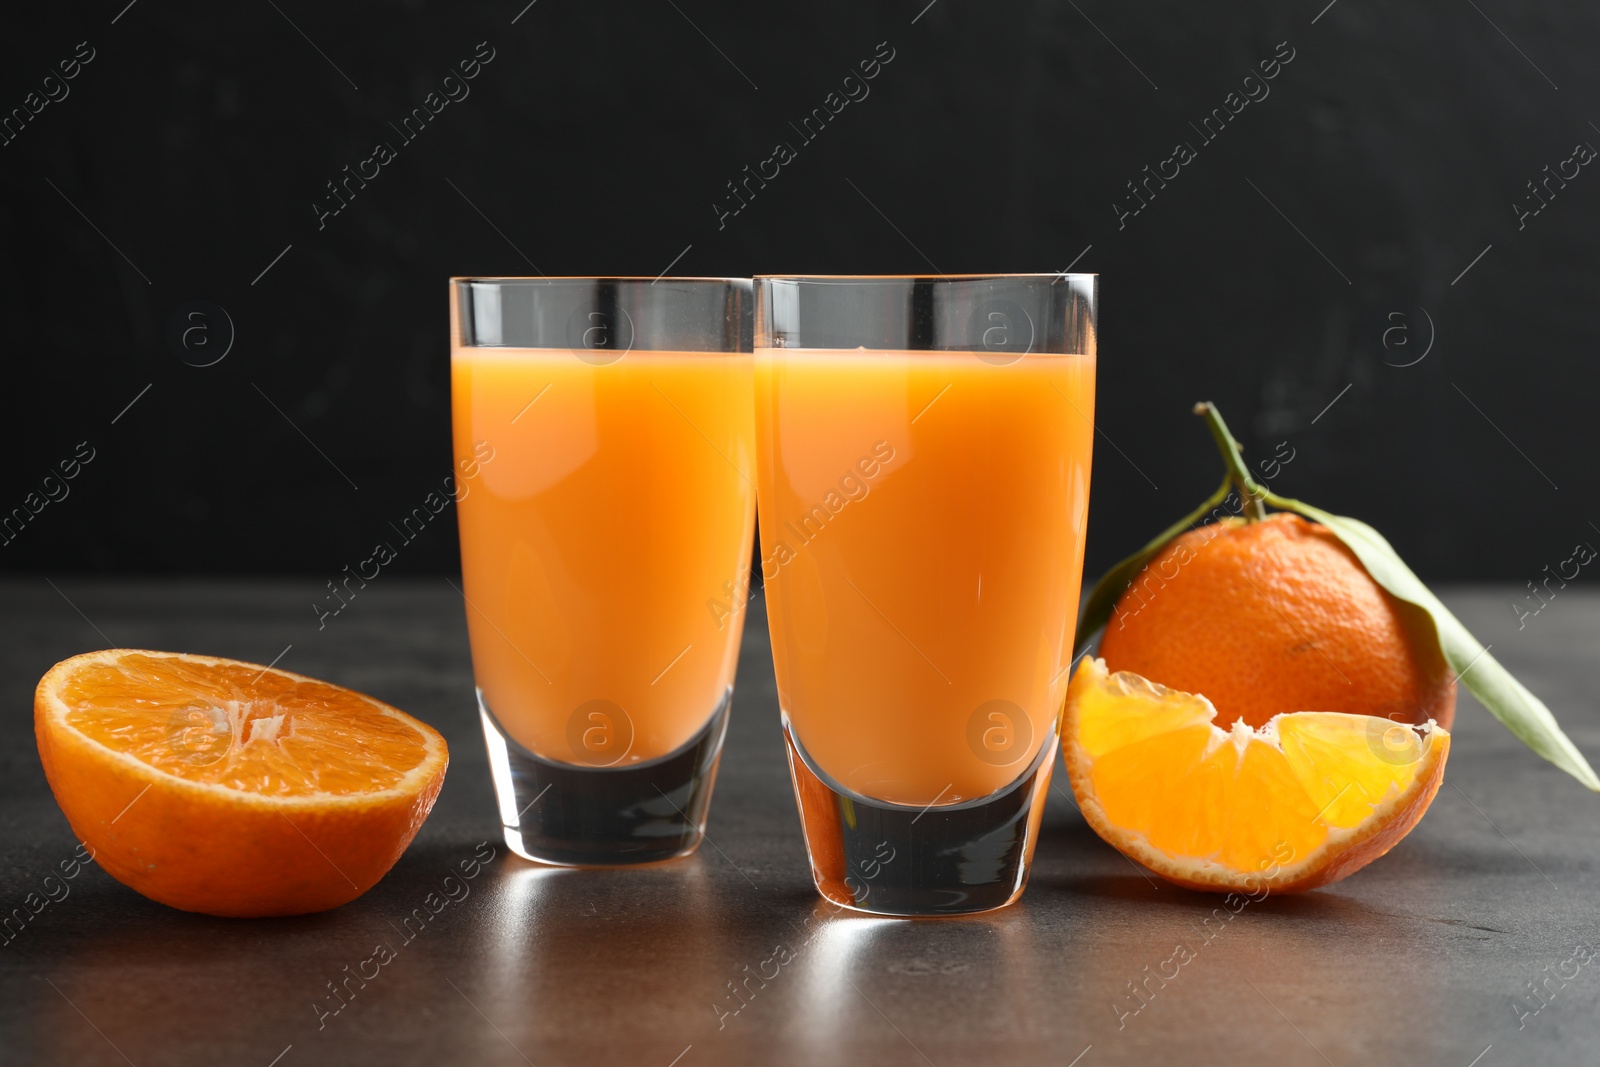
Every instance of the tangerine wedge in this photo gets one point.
(1304, 800)
(229, 788)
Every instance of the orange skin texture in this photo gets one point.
(193, 849)
(1278, 616)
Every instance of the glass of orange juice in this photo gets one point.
(923, 448)
(604, 440)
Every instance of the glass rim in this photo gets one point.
(919, 277)
(590, 278)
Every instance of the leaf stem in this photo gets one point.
(1249, 489)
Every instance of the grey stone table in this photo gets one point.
(1428, 956)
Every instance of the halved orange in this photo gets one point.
(1304, 800)
(230, 788)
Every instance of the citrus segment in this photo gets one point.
(233, 725)
(1318, 746)
(231, 788)
(1301, 801)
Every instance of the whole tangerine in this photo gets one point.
(1277, 615)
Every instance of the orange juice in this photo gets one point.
(602, 543)
(922, 519)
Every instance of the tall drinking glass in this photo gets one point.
(604, 442)
(923, 449)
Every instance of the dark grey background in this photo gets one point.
(1386, 158)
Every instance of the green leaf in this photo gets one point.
(1507, 699)
(1109, 589)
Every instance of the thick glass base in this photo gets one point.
(891, 859)
(577, 816)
